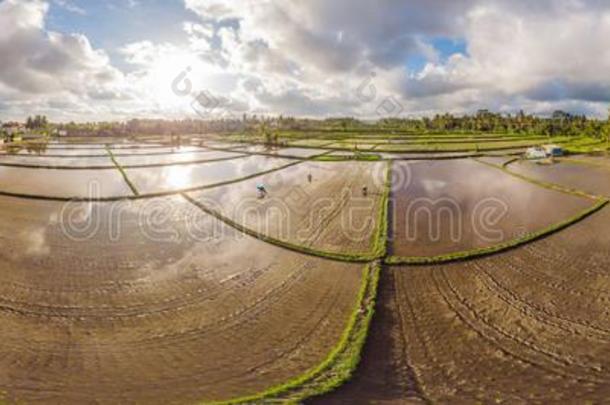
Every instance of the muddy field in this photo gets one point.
(328, 213)
(185, 311)
(442, 207)
(152, 300)
(529, 326)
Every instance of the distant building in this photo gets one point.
(535, 153)
(553, 150)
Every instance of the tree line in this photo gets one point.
(559, 124)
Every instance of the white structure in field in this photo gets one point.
(535, 153)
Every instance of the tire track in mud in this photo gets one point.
(519, 266)
(320, 314)
(539, 312)
(295, 347)
(548, 290)
(222, 325)
(323, 219)
(538, 357)
(181, 303)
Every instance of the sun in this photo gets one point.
(164, 72)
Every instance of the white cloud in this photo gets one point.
(69, 6)
(311, 57)
(39, 66)
(541, 54)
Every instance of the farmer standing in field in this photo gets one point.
(262, 190)
(365, 191)
(309, 177)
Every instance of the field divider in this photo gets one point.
(502, 247)
(342, 257)
(543, 184)
(133, 188)
(96, 156)
(141, 166)
(510, 162)
(482, 149)
(380, 237)
(338, 367)
(248, 153)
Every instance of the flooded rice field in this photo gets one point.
(65, 162)
(443, 207)
(67, 184)
(318, 205)
(172, 158)
(163, 179)
(188, 311)
(528, 326)
(110, 293)
(591, 178)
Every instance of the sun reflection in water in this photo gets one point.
(179, 176)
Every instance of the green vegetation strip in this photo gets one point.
(510, 162)
(269, 154)
(423, 151)
(346, 158)
(540, 183)
(133, 188)
(380, 238)
(343, 257)
(341, 362)
(481, 252)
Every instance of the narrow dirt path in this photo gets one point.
(383, 375)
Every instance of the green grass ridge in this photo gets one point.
(380, 242)
(340, 363)
(344, 257)
(133, 188)
(502, 247)
(540, 183)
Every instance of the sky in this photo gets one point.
(86, 60)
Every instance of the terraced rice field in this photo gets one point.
(594, 179)
(443, 207)
(65, 184)
(328, 213)
(175, 178)
(158, 274)
(528, 326)
(190, 312)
